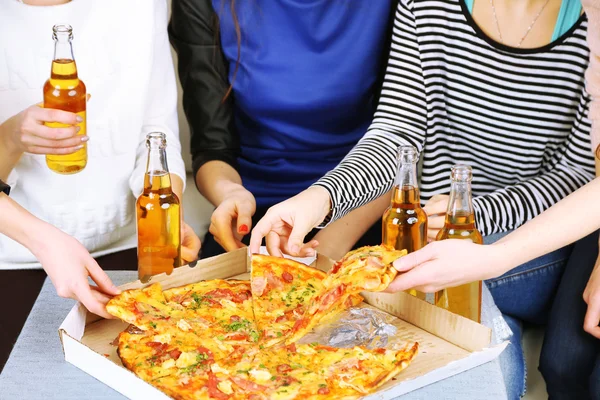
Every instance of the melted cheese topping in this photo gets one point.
(170, 363)
(184, 325)
(225, 387)
(260, 375)
(216, 369)
(164, 338)
(186, 359)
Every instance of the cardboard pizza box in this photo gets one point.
(448, 344)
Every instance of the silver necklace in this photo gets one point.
(528, 29)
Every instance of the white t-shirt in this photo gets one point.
(122, 52)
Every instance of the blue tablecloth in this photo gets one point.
(36, 368)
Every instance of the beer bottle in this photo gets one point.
(65, 91)
(464, 300)
(404, 221)
(158, 215)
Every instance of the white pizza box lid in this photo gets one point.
(448, 344)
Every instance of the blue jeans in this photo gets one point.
(570, 360)
(525, 294)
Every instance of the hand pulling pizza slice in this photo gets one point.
(282, 289)
(365, 269)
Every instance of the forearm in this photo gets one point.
(215, 179)
(19, 225)
(339, 237)
(567, 221)
(9, 154)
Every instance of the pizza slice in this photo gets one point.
(311, 371)
(365, 269)
(224, 305)
(218, 313)
(145, 308)
(282, 290)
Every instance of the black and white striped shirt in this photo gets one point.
(517, 116)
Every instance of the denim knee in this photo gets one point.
(563, 379)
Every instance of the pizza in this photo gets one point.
(228, 339)
(282, 289)
(365, 269)
(279, 372)
(218, 313)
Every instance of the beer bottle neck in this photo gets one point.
(406, 178)
(157, 172)
(460, 199)
(63, 64)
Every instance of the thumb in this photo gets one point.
(244, 219)
(101, 278)
(414, 259)
(296, 239)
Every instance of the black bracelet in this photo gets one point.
(4, 188)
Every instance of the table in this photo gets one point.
(36, 368)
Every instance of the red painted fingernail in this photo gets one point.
(243, 228)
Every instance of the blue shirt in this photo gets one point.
(306, 86)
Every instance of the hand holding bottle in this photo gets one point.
(436, 209)
(26, 132)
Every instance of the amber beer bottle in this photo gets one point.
(404, 221)
(464, 300)
(65, 91)
(158, 215)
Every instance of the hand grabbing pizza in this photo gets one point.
(68, 264)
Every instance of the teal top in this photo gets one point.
(570, 11)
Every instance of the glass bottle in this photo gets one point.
(405, 221)
(464, 300)
(158, 215)
(65, 91)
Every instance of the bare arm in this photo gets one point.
(66, 261)
(9, 155)
(339, 237)
(215, 179)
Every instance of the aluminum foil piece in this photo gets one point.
(359, 326)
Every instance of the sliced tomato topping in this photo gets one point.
(282, 318)
(207, 352)
(285, 380)
(213, 390)
(234, 318)
(291, 348)
(236, 336)
(174, 354)
(380, 351)
(248, 385)
(301, 323)
(160, 348)
(323, 390)
(336, 267)
(283, 368)
(286, 276)
(332, 296)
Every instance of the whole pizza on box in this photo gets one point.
(227, 339)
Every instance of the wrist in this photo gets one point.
(7, 141)
(322, 200)
(224, 187)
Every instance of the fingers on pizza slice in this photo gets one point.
(145, 308)
(367, 268)
(282, 290)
